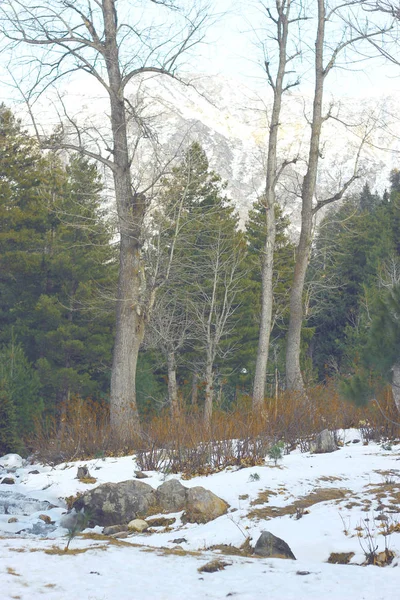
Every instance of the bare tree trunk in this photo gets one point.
(195, 388)
(294, 379)
(172, 384)
(209, 390)
(130, 210)
(396, 385)
(267, 265)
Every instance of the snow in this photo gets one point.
(152, 567)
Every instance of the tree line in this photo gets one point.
(59, 273)
(99, 40)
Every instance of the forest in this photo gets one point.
(169, 307)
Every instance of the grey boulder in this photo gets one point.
(171, 496)
(324, 442)
(270, 546)
(114, 503)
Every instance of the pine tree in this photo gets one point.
(207, 263)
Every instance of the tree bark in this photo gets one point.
(267, 265)
(396, 385)
(172, 384)
(294, 378)
(130, 319)
(209, 391)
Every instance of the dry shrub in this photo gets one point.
(238, 437)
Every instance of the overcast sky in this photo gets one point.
(232, 50)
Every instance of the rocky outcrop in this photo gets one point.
(203, 506)
(270, 546)
(112, 503)
(115, 503)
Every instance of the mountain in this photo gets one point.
(230, 121)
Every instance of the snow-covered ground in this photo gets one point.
(152, 566)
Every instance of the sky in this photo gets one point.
(232, 49)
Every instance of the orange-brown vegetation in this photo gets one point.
(237, 437)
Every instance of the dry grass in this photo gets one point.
(340, 558)
(12, 571)
(213, 566)
(315, 497)
(263, 497)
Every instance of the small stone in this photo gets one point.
(141, 475)
(138, 525)
(45, 518)
(83, 473)
(35, 472)
(8, 480)
(114, 529)
(12, 520)
(356, 441)
(180, 541)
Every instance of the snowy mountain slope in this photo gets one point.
(231, 123)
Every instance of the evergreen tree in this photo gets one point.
(248, 316)
(206, 266)
(351, 246)
(57, 265)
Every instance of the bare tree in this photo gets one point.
(170, 330)
(310, 207)
(214, 303)
(281, 21)
(113, 47)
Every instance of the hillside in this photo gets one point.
(318, 503)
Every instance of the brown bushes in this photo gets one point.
(238, 437)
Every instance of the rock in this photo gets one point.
(11, 461)
(141, 475)
(356, 441)
(8, 480)
(113, 529)
(12, 520)
(83, 473)
(138, 525)
(270, 546)
(171, 496)
(113, 503)
(35, 472)
(46, 519)
(323, 442)
(161, 522)
(179, 541)
(203, 506)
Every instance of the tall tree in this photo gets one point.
(322, 68)
(207, 265)
(282, 20)
(99, 39)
